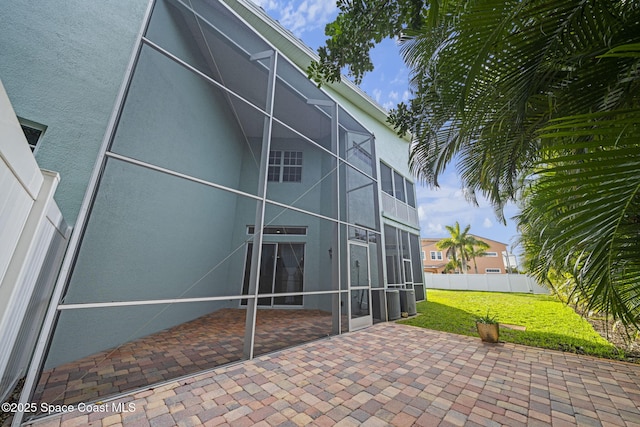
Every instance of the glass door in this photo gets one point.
(359, 286)
(281, 272)
(289, 273)
(408, 274)
(267, 270)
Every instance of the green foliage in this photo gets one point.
(473, 249)
(537, 101)
(359, 26)
(549, 323)
(500, 74)
(488, 318)
(454, 245)
(461, 247)
(583, 210)
(452, 266)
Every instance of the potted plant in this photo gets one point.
(488, 328)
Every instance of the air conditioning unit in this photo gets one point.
(408, 301)
(393, 304)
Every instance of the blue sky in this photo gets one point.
(388, 85)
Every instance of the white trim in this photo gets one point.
(256, 255)
(225, 89)
(345, 87)
(35, 126)
(188, 300)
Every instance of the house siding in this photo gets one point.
(483, 263)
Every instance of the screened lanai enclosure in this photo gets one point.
(235, 213)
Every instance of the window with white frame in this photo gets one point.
(491, 254)
(285, 166)
(436, 255)
(32, 132)
(411, 200)
(396, 185)
(402, 256)
(386, 179)
(492, 270)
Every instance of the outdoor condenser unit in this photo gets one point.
(393, 304)
(408, 301)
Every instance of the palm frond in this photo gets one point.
(587, 207)
(488, 80)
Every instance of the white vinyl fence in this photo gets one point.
(484, 282)
(33, 237)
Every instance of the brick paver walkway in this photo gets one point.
(392, 374)
(204, 343)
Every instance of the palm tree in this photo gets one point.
(474, 250)
(456, 245)
(539, 101)
(488, 80)
(581, 216)
(452, 266)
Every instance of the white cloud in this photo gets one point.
(303, 17)
(401, 78)
(435, 229)
(393, 96)
(388, 105)
(444, 206)
(267, 4)
(422, 214)
(377, 93)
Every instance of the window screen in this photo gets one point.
(398, 184)
(386, 179)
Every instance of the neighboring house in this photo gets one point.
(433, 259)
(210, 142)
(495, 261)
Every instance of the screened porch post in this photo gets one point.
(256, 254)
(335, 262)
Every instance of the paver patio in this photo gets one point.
(391, 374)
(204, 343)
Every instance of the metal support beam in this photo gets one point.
(254, 275)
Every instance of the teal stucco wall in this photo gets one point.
(62, 64)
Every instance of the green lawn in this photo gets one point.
(548, 322)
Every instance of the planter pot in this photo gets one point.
(489, 332)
